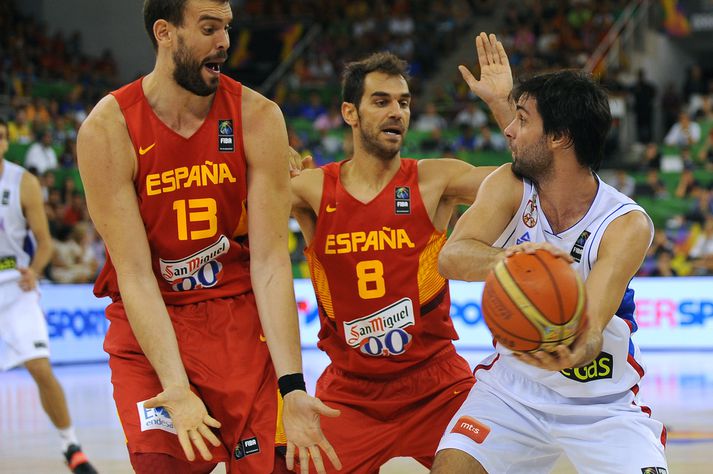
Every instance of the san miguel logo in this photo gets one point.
(529, 217)
(226, 140)
(200, 270)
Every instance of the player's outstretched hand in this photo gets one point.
(495, 75)
(300, 415)
(190, 420)
(298, 162)
(581, 352)
(531, 247)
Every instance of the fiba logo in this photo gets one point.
(225, 127)
(225, 135)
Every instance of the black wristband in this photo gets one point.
(291, 382)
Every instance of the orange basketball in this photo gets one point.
(533, 301)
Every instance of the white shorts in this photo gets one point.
(511, 424)
(23, 328)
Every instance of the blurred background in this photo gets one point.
(58, 58)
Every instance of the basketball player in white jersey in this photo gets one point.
(525, 410)
(23, 330)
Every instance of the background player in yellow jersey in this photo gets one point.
(374, 225)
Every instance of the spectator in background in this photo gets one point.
(705, 153)
(644, 93)
(685, 132)
(624, 183)
(314, 108)
(653, 186)
(652, 157)
(466, 140)
(74, 260)
(471, 115)
(670, 105)
(490, 141)
(687, 184)
(41, 156)
(663, 265)
(329, 120)
(68, 157)
(20, 129)
(701, 252)
(430, 120)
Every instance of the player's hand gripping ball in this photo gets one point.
(533, 302)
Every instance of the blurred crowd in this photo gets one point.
(48, 86)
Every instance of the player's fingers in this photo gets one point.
(304, 460)
(323, 409)
(317, 459)
(209, 435)
(468, 76)
(186, 444)
(308, 163)
(212, 422)
(199, 443)
(290, 456)
(331, 454)
(480, 49)
(502, 54)
(492, 50)
(154, 402)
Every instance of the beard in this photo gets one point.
(372, 145)
(188, 72)
(533, 161)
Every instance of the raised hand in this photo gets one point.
(190, 420)
(300, 417)
(298, 163)
(495, 82)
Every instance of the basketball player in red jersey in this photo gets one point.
(374, 225)
(185, 176)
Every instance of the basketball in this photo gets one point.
(533, 302)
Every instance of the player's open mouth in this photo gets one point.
(394, 132)
(214, 68)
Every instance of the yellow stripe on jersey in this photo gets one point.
(320, 283)
(280, 436)
(430, 282)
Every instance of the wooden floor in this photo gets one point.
(678, 387)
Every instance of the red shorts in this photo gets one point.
(228, 367)
(404, 415)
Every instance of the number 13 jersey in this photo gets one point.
(383, 305)
(192, 195)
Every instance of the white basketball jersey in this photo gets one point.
(618, 368)
(13, 226)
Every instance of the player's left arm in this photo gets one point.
(269, 203)
(33, 209)
(621, 251)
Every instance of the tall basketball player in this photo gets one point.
(374, 225)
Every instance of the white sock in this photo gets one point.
(67, 437)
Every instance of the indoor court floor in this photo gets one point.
(678, 386)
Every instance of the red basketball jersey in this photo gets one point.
(383, 305)
(192, 195)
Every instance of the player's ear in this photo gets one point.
(559, 141)
(349, 113)
(162, 31)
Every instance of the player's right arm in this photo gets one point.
(306, 197)
(107, 164)
(468, 254)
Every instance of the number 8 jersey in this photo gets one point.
(192, 195)
(374, 266)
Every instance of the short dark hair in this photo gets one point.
(355, 72)
(573, 105)
(170, 10)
